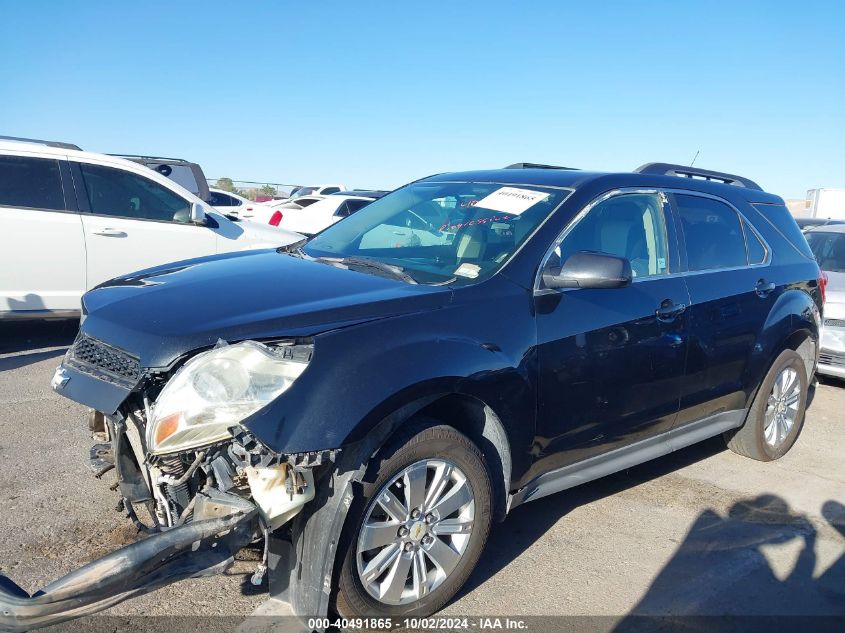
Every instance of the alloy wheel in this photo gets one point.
(782, 407)
(415, 532)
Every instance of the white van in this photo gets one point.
(70, 220)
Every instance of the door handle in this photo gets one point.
(110, 233)
(764, 288)
(668, 310)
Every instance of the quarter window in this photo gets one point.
(342, 210)
(124, 194)
(32, 183)
(630, 226)
(713, 233)
(756, 249)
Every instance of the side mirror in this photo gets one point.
(197, 213)
(589, 269)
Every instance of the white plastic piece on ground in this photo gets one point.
(272, 616)
(274, 502)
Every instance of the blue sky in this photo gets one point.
(377, 94)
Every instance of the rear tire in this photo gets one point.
(414, 581)
(776, 416)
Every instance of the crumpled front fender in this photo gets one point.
(201, 548)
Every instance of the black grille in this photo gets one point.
(826, 358)
(834, 322)
(95, 357)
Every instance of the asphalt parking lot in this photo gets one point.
(699, 532)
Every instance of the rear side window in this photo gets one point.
(712, 232)
(330, 190)
(124, 194)
(33, 183)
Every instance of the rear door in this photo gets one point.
(732, 292)
(42, 248)
(611, 361)
(133, 222)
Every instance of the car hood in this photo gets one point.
(161, 313)
(253, 235)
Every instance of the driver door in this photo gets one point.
(133, 223)
(611, 361)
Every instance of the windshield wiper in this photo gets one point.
(364, 262)
(293, 248)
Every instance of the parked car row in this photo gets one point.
(73, 219)
(828, 245)
(321, 213)
(371, 400)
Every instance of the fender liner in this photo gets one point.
(301, 566)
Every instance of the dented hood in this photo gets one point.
(161, 313)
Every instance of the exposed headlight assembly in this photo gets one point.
(217, 389)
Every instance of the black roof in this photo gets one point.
(574, 179)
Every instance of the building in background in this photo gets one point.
(819, 203)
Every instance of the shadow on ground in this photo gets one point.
(527, 523)
(38, 339)
(718, 570)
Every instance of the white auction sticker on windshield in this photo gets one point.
(468, 270)
(511, 200)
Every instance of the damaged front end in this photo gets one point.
(189, 476)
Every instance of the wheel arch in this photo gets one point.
(477, 420)
(792, 323)
(467, 414)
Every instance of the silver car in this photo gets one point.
(828, 245)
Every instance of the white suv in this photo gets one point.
(70, 220)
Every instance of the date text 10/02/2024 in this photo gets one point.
(420, 624)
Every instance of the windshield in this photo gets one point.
(828, 249)
(441, 232)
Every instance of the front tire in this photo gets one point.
(415, 534)
(776, 416)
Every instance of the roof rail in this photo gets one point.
(682, 171)
(536, 166)
(59, 144)
(142, 157)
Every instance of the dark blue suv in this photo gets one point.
(365, 403)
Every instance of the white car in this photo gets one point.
(323, 213)
(72, 220)
(238, 206)
(828, 246)
(272, 212)
(316, 190)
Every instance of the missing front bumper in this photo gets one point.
(204, 547)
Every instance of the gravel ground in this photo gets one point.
(699, 532)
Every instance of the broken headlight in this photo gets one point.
(217, 389)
